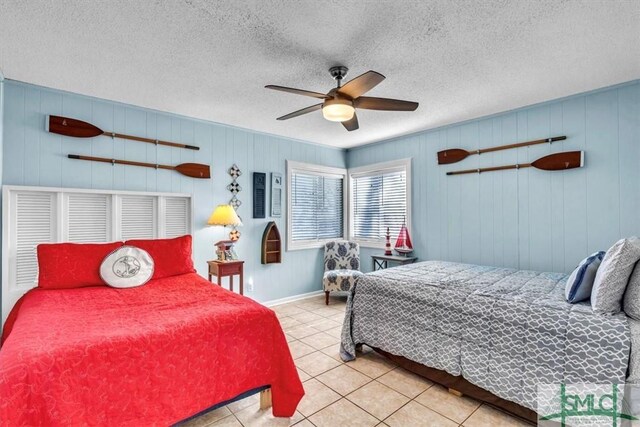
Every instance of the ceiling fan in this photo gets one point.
(339, 103)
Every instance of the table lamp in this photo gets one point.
(225, 215)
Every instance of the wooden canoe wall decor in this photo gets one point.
(552, 162)
(271, 244)
(67, 126)
(454, 155)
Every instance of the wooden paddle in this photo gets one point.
(456, 154)
(79, 129)
(552, 162)
(194, 170)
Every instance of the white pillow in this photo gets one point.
(613, 275)
(127, 267)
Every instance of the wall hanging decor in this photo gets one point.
(271, 244)
(193, 170)
(234, 188)
(276, 194)
(79, 129)
(259, 194)
(552, 162)
(455, 155)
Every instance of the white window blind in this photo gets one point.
(379, 199)
(317, 207)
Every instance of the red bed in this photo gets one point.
(151, 355)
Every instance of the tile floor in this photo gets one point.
(370, 391)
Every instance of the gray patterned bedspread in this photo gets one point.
(504, 330)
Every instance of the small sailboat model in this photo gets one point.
(403, 244)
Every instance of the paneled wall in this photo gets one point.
(34, 157)
(527, 219)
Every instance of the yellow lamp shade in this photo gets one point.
(224, 215)
(338, 110)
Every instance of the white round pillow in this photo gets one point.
(127, 267)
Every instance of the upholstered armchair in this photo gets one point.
(341, 266)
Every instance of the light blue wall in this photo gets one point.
(34, 157)
(526, 219)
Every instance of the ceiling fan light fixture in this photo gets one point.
(338, 110)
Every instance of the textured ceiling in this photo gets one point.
(211, 59)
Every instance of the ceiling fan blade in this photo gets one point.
(298, 91)
(301, 112)
(385, 104)
(361, 84)
(351, 124)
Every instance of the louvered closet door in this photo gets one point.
(32, 221)
(89, 217)
(138, 217)
(177, 216)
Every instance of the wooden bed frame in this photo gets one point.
(459, 387)
(265, 402)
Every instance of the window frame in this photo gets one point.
(372, 170)
(318, 170)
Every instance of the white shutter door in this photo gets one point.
(177, 216)
(89, 217)
(138, 217)
(35, 223)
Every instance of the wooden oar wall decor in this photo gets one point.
(455, 155)
(552, 162)
(79, 129)
(193, 170)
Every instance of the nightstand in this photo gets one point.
(382, 261)
(229, 269)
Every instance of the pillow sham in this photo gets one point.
(631, 301)
(127, 267)
(171, 257)
(71, 265)
(613, 275)
(580, 282)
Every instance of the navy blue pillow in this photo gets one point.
(580, 282)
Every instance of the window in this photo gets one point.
(316, 202)
(380, 196)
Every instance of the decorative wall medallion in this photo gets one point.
(234, 235)
(235, 203)
(235, 171)
(234, 188)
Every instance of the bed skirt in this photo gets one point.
(463, 386)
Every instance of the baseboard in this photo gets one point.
(293, 298)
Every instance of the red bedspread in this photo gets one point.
(151, 355)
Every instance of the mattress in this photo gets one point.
(151, 355)
(501, 329)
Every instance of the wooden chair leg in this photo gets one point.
(265, 399)
(326, 297)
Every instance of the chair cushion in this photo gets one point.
(341, 255)
(339, 280)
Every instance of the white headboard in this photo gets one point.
(33, 215)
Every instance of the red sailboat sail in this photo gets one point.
(403, 244)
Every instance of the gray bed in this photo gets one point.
(500, 329)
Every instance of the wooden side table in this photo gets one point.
(382, 261)
(222, 269)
